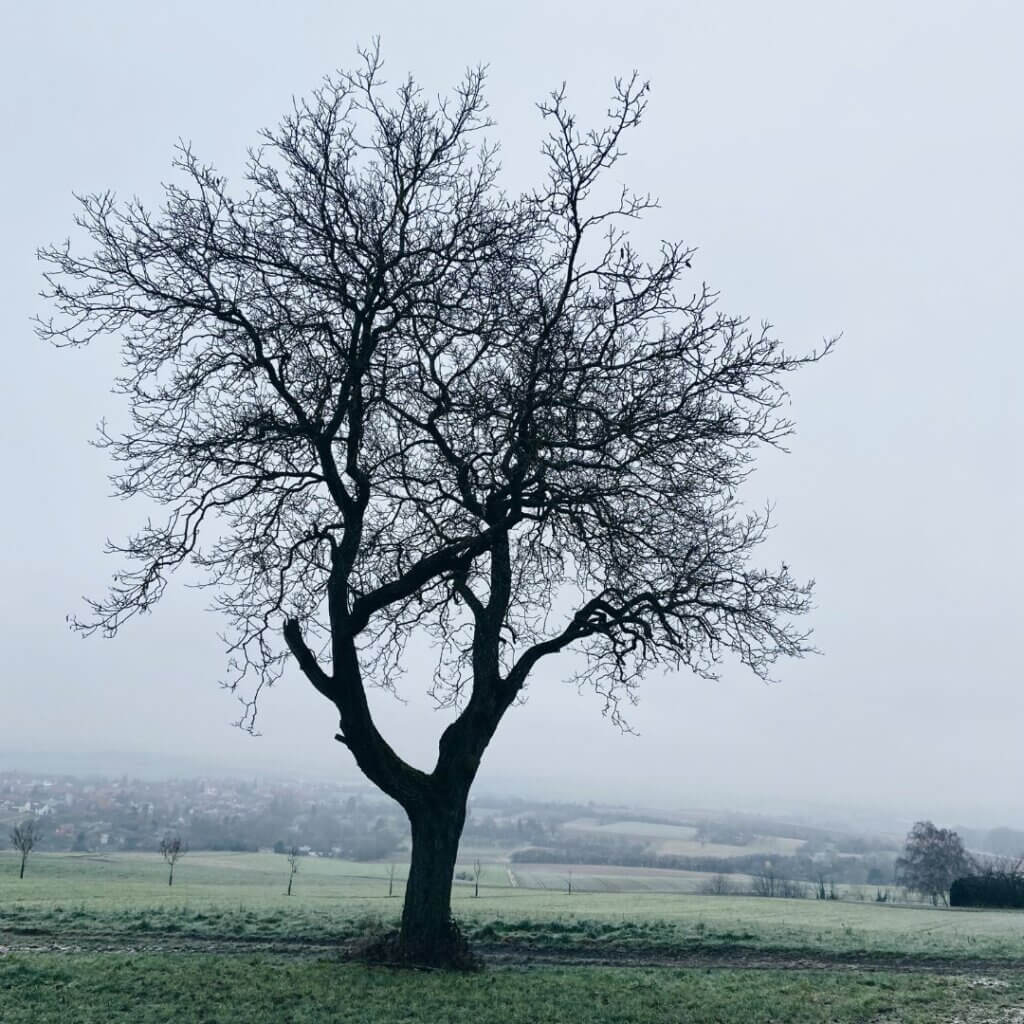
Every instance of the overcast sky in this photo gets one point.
(842, 167)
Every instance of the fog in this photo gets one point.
(842, 167)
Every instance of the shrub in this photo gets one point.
(987, 891)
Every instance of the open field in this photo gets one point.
(679, 840)
(88, 938)
(610, 878)
(232, 893)
(256, 878)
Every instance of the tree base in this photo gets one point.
(452, 953)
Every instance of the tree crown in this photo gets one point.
(25, 835)
(933, 858)
(376, 394)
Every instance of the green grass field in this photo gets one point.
(101, 989)
(244, 893)
(56, 921)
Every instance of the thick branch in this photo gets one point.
(307, 659)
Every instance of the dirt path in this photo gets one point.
(511, 955)
(736, 958)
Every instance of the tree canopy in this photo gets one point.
(933, 858)
(24, 837)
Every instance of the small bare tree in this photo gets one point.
(172, 849)
(717, 885)
(477, 868)
(764, 883)
(391, 879)
(293, 867)
(24, 838)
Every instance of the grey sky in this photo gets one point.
(849, 167)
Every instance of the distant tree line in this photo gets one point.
(723, 834)
(525, 829)
(872, 869)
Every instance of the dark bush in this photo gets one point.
(987, 891)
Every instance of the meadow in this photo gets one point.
(86, 937)
(680, 840)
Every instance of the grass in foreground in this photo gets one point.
(41, 988)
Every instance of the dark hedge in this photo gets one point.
(987, 891)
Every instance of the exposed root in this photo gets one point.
(452, 953)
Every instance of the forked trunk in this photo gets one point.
(429, 935)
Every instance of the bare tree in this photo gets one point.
(765, 882)
(717, 885)
(380, 397)
(933, 858)
(477, 868)
(998, 866)
(391, 879)
(24, 838)
(293, 867)
(791, 889)
(768, 883)
(172, 849)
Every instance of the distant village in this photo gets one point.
(96, 814)
(125, 814)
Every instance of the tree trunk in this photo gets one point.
(170, 877)
(24, 857)
(429, 935)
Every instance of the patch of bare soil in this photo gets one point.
(1007, 1016)
(34, 941)
(515, 955)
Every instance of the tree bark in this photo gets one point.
(428, 934)
(21, 874)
